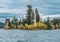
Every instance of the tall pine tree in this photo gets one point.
(29, 14)
(37, 15)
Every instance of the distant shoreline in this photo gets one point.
(28, 29)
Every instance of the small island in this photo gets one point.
(32, 21)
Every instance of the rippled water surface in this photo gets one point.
(29, 36)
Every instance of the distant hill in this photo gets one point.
(9, 15)
(1, 25)
(5, 15)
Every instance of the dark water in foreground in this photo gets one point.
(29, 36)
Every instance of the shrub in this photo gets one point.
(20, 26)
(42, 26)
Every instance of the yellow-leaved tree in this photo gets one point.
(20, 26)
(7, 25)
(42, 26)
(35, 25)
(14, 26)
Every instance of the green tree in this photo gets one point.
(15, 21)
(29, 14)
(56, 21)
(37, 15)
(48, 23)
(23, 21)
(20, 21)
(7, 20)
(7, 23)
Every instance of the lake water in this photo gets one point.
(29, 36)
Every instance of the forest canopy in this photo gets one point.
(32, 21)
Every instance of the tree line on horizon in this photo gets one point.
(32, 21)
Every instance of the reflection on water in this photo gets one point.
(29, 36)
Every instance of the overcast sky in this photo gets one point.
(46, 8)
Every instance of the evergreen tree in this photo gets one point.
(23, 21)
(15, 22)
(56, 21)
(7, 23)
(32, 16)
(7, 20)
(29, 14)
(19, 21)
(48, 22)
(37, 15)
